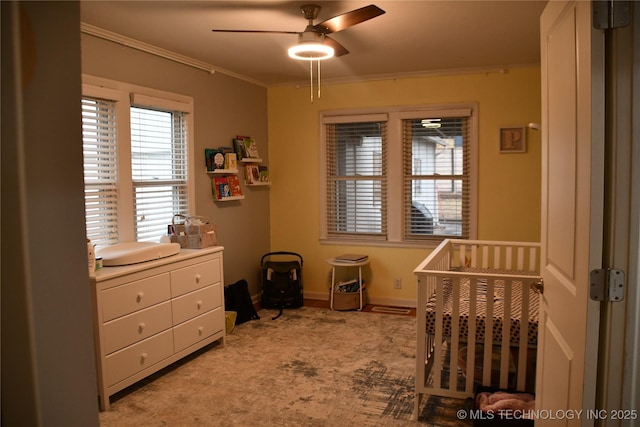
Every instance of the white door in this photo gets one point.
(572, 207)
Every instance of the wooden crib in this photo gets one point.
(466, 288)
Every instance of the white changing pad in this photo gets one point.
(135, 252)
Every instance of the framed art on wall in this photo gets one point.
(513, 140)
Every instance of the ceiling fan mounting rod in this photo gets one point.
(310, 12)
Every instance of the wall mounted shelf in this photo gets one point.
(229, 198)
(255, 175)
(223, 172)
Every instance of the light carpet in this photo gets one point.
(310, 367)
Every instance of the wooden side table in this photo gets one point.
(340, 264)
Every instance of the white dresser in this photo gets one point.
(152, 314)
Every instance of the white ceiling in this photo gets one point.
(411, 38)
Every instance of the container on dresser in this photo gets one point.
(151, 314)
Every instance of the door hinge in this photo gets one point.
(608, 14)
(607, 285)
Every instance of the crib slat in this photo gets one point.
(471, 338)
(437, 348)
(485, 256)
(524, 339)
(462, 253)
(506, 335)
(474, 261)
(508, 260)
(488, 334)
(533, 259)
(422, 339)
(520, 265)
(455, 335)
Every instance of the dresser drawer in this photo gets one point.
(192, 331)
(127, 362)
(195, 276)
(136, 326)
(196, 303)
(134, 296)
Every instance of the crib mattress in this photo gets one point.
(481, 312)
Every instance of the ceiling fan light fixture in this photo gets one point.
(311, 47)
(310, 51)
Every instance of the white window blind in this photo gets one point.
(436, 177)
(356, 178)
(159, 168)
(99, 144)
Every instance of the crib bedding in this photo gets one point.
(481, 311)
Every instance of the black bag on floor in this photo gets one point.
(238, 299)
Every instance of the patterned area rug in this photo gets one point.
(310, 367)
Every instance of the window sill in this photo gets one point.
(431, 244)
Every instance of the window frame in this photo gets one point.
(351, 235)
(395, 202)
(100, 151)
(125, 96)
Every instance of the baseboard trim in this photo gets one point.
(393, 302)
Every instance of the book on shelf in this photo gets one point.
(250, 148)
(234, 185)
(218, 159)
(263, 173)
(214, 158)
(214, 189)
(251, 174)
(351, 258)
(238, 146)
(208, 158)
(221, 187)
(230, 161)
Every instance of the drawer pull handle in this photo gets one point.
(141, 326)
(143, 358)
(200, 330)
(139, 297)
(199, 304)
(197, 278)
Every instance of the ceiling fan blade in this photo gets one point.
(348, 19)
(338, 49)
(255, 31)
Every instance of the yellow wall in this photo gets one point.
(509, 184)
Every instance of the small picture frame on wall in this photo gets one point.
(513, 140)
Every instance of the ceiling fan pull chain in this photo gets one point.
(318, 79)
(311, 74)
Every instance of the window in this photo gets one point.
(356, 178)
(159, 170)
(100, 170)
(401, 176)
(436, 177)
(137, 162)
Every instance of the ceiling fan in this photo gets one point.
(313, 43)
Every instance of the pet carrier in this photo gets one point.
(281, 281)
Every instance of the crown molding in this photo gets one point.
(129, 42)
(413, 75)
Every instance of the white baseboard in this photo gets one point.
(393, 302)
